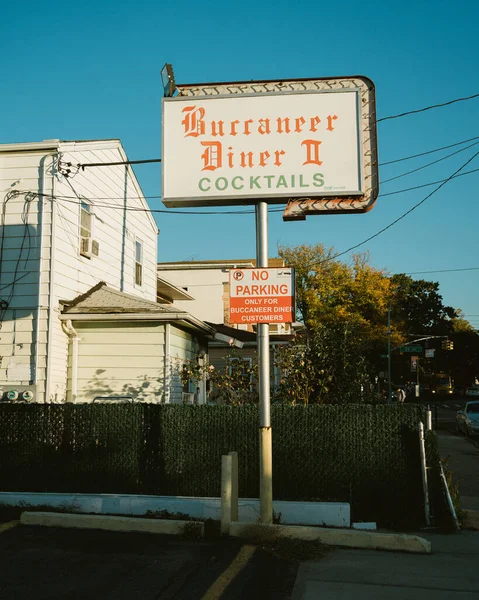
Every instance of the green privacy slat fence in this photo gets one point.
(366, 455)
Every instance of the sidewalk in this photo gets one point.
(450, 573)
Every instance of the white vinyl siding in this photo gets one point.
(119, 359)
(73, 274)
(24, 272)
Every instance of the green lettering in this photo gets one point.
(221, 184)
(253, 182)
(200, 184)
(318, 180)
(269, 178)
(281, 182)
(233, 184)
(301, 182)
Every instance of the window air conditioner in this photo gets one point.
(89, 247)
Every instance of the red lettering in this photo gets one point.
(263, 157)
(312, 152)
(278, 154)
(314, 122)
(212, 156)
(193, 121)
(331, 118)
(299, 124)
(264, 126)
(246, 126)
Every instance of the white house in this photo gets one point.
(64, 228)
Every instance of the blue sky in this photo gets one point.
(92, 71)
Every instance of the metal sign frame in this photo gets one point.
(299, 208)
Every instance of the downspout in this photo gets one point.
(40, 257)
(74, 339)
(51, 291)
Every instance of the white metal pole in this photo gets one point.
(422, 451)
(226, 492)
(265, 438)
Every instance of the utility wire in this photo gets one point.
(406, 213)
(417, 187)
(420, 110)
(390, 162)
(430, 164)
(442, 271)
(157, 160)
(169, 211)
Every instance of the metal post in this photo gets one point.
(422, 451)
(265, 439)
(389, 356)
(226, 492)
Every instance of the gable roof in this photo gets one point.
(103, 299)
(105, 303)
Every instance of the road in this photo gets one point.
(444, 411)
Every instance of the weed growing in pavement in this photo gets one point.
(291, 549)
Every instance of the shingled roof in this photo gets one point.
(102, 299)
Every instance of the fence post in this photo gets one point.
(226, 492)
(422, 451)
(234, 485)
(429, 418)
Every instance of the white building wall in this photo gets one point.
(25, 239)
(111, 191)
(207, 288)
(120, 359)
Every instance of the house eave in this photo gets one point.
(181, 318)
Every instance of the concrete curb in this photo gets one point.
(8, 525)
(340, 537)
(111, 523)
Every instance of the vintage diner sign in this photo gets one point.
(238, 148)
(262, 296)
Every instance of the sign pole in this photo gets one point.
(265, 437)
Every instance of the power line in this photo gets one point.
(169, 211)
(157, 160)
(420, 110)
(430, 164)
(417, 187)
(390, 162)
(442, 271)
(406, 213)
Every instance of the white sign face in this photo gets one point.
(237, 149)
(262, 295)
(430, 353)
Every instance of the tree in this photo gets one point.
(344, 308)
(418, 307)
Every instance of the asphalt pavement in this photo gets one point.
(39, 563)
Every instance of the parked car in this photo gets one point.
(472, 391)
(467, 420)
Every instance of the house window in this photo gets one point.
(138, 262)
(86, 225)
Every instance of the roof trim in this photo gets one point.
(30, 146)
(163, 286)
